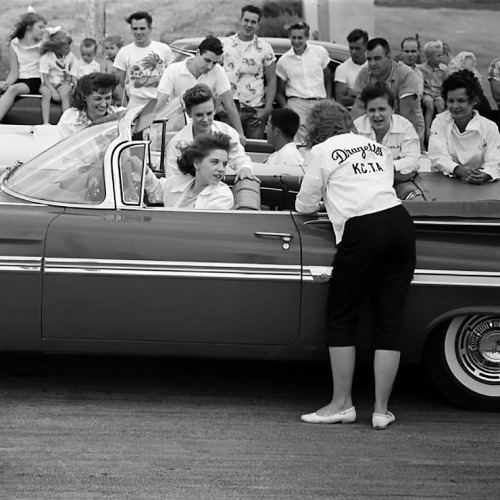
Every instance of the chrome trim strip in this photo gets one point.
(310, 274)
(172, 269)
(21, 264)
(455, 223)
(456, 278)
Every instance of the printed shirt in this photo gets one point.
(28, 59)
(73, 120)
(477, 147)
(402, 81)
(433, 78)
(244, 63)
(177, 79)
(303, 74)
(238, 159)
(59, 70)
(401, 139)
(144, 67)
(353, 175)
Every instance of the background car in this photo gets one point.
(87, 266)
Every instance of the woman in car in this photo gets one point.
(375, 256)
(199, 103)
(92, 101)
(463, 143)
(381, 125)
(198, 183)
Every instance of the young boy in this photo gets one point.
(435, 73)
(111, 45)
(87, 64)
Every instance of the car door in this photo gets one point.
(169, 275)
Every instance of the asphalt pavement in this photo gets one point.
(115, 428)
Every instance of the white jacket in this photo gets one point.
(478, 146)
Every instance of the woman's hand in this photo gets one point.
(244, 173)
(472, 175)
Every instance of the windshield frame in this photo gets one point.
(42, 160)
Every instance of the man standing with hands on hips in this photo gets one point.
(250, 65)
(303, 75)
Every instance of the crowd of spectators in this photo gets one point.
(408, 102)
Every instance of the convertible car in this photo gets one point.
(87, 266)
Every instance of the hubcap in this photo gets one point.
(478, 348)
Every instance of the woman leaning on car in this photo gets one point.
(375, 254)
(463, 143)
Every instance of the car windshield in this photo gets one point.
(70, 172)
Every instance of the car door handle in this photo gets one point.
(286, 238)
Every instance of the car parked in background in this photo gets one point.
(87, 266)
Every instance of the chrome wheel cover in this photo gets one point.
(472, 351)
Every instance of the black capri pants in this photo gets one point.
(376, 256)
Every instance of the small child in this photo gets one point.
(111, 45)
(87, 64)
(58, 70)
(435, 73)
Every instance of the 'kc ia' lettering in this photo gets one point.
(367, 168)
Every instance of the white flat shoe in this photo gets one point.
(381, 421)
(343, 417)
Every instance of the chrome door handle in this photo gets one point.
(286, 238)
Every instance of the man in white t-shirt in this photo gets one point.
(204, 68)
(347, 72)
(281, 128)
(303, 75)
(140, 64)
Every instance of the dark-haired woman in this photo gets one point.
(375, 254)
(24, 75)
(202, 166)
(462, 142)
(91, 101)
(394, 131)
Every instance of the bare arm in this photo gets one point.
(14, 70)
(327, 76)
(162, 101)
(232, 113)
(407, 109)
(344, 94)
(270, 72)
(120, 74)
(280, 92)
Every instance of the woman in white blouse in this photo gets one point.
(92, 101)
(202, 166)
(380, 124)
(463, 143)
